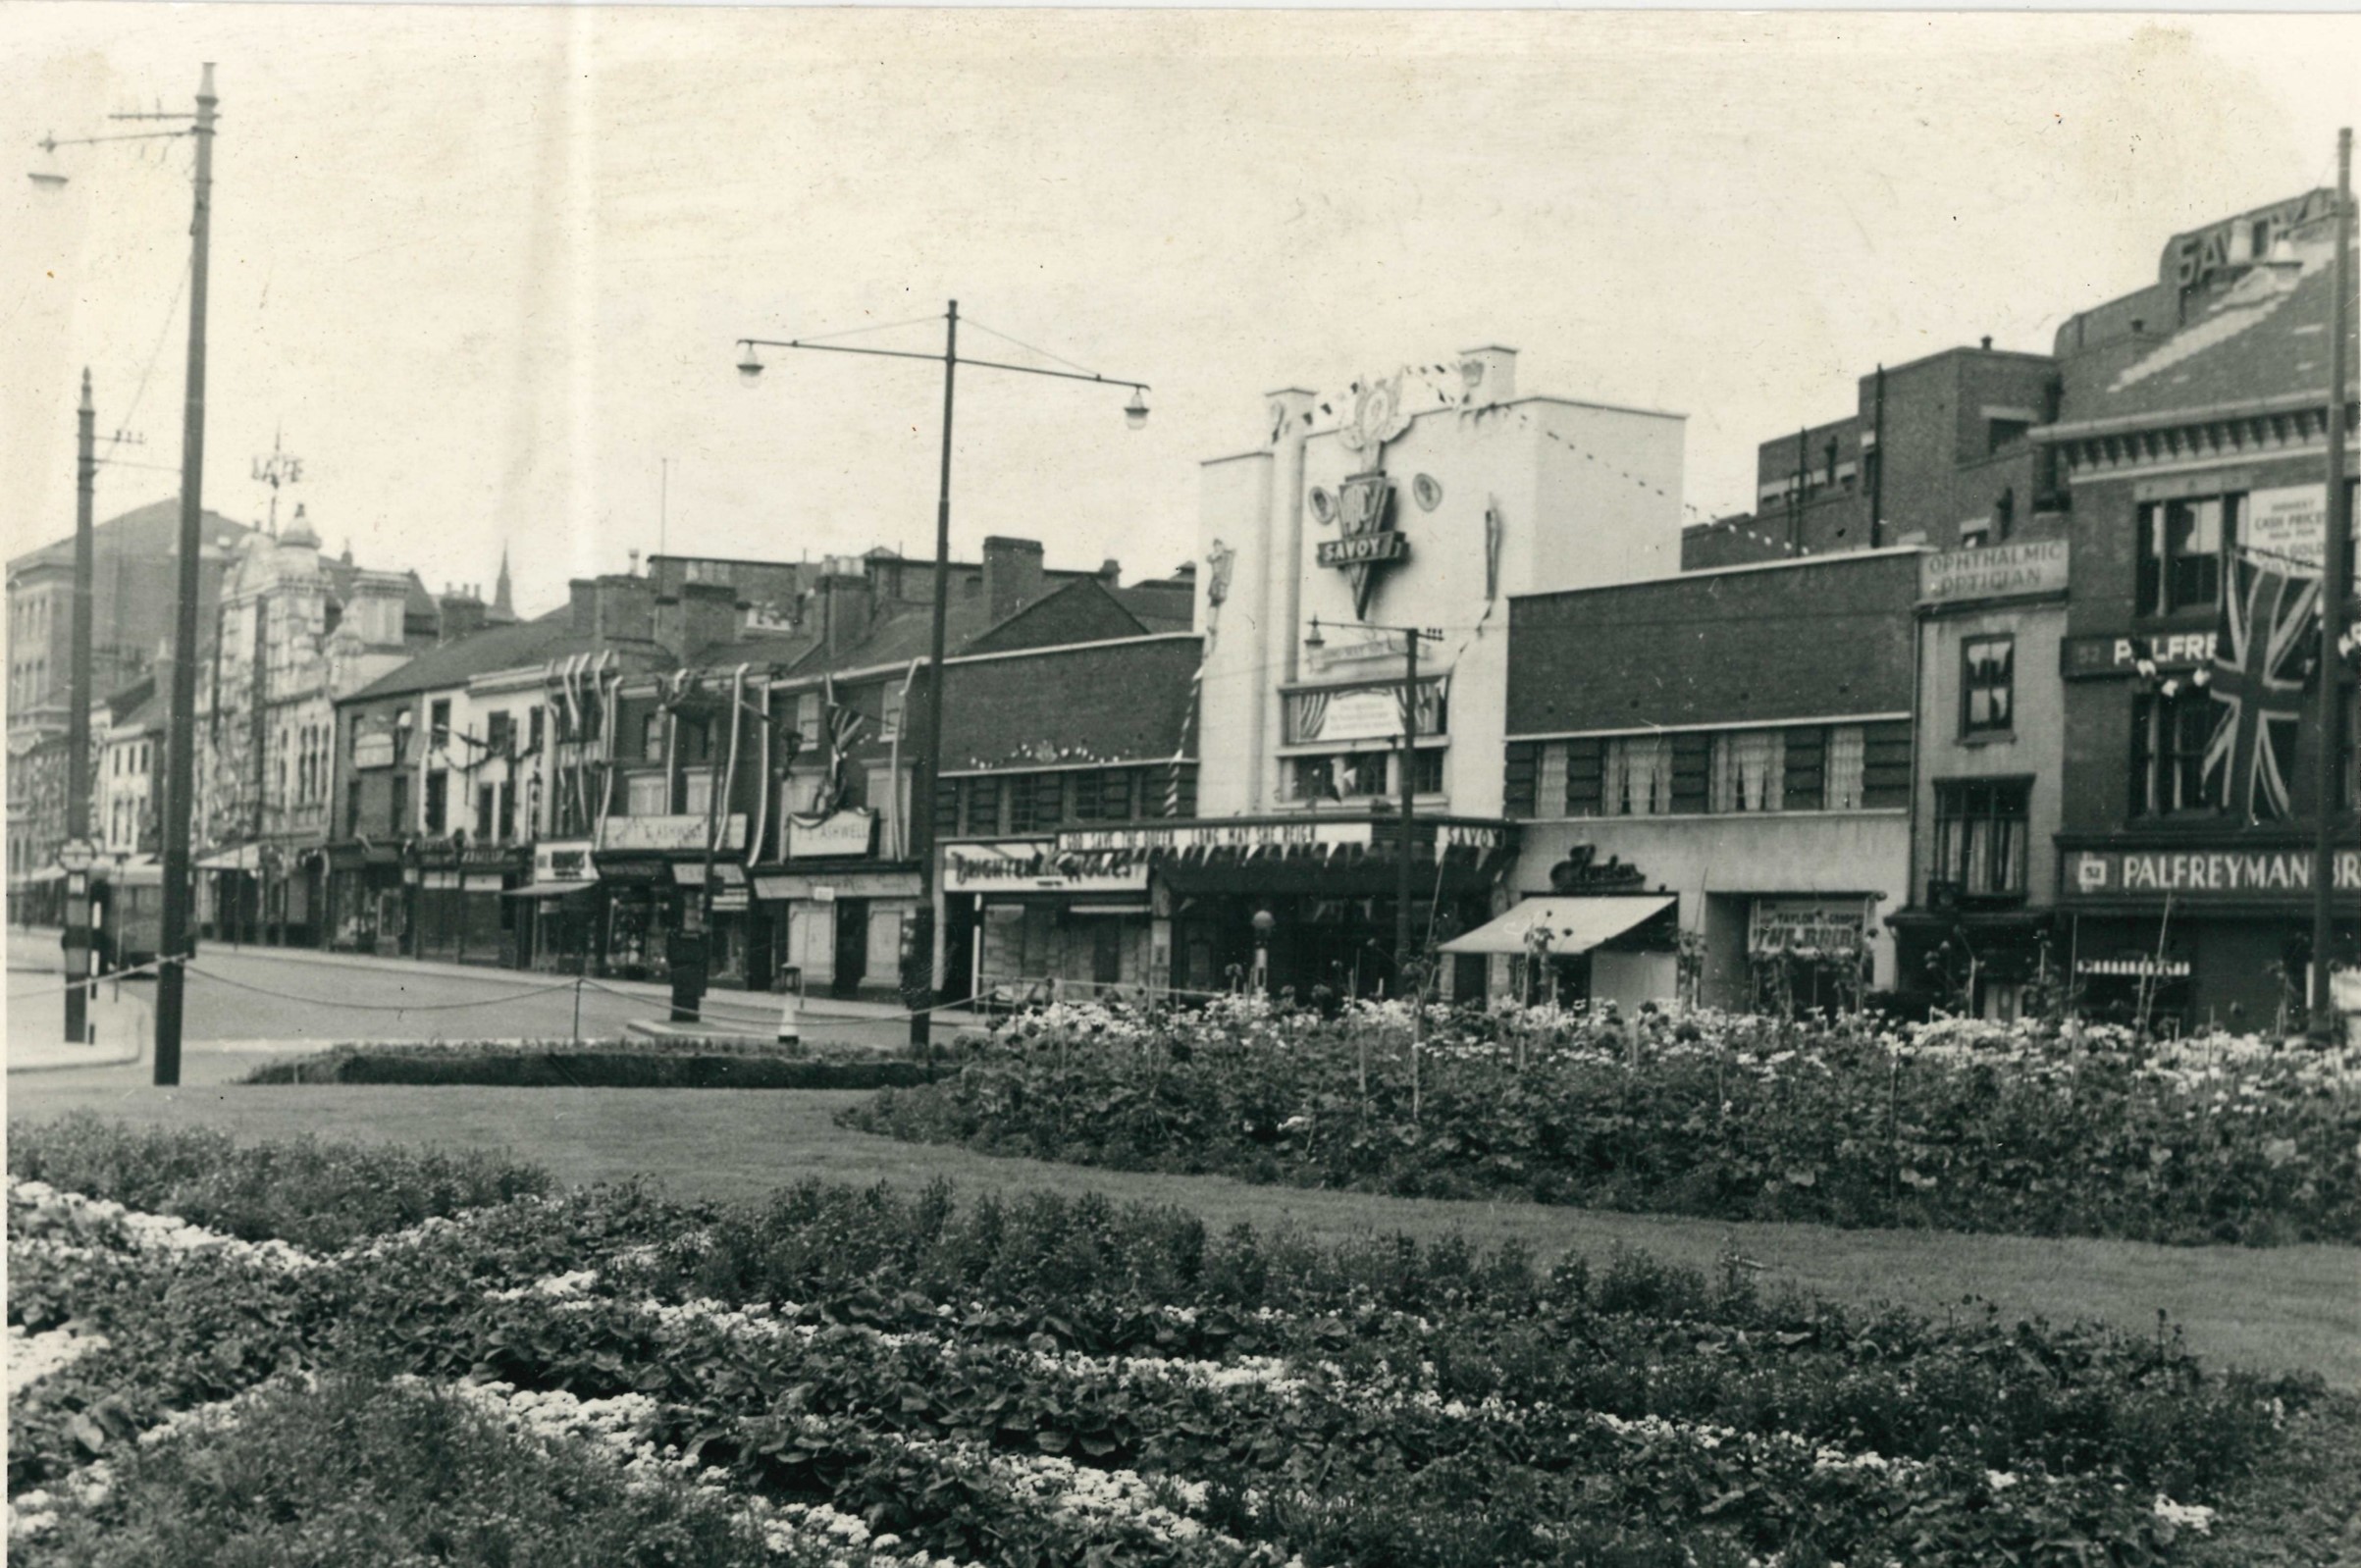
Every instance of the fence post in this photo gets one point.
(577, 1009)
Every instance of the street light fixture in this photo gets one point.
(929, 761)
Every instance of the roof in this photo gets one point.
(153, 529)
(496, 648)
(1126, 701)
(1161, 606)
(2263, 335)
(145, 719)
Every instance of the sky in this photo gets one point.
(483, 268)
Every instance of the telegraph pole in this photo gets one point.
(79, 854)
(175, 948)
(922, 939)
(2336, 574)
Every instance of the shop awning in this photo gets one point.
(689, 874)
(1575, 926)
(48, 873)
(547, 890)
(238, 857)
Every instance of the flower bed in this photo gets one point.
(862, 1377)
(1954, 1125)
(653, 1063)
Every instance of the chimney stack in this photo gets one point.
(1012, 575)
(709, 617)
(847, 607)
(462, 614)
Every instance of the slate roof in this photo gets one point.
(2265, 336)
(501, 648)
(153, 529)
(1111, 702)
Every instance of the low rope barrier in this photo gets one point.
(89, 983)
(376, 1007)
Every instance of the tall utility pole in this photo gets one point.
(928, 771)
(1403, 952)
(2336, 574)
(173, 949)
(78, 855)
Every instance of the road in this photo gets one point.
(263, 995)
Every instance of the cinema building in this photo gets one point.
(2194, 438)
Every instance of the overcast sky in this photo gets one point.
(485, 267)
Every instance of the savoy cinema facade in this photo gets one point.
(1928, 721)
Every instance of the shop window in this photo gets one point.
(1981, 835)
(2168, 738)
(645, 794)
(1748, 772)
(1426, 772)
(1848, 753)
(2181, 547)
(438, 801)
(1987, 685)
(1637, 775)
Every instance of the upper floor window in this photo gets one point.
(2168, 738)
(1847, 766)
(651, 737)
(437, 801)
(439, 724)
(1749, 770)
(499, 733)
(533, 728)
(2181, 550)
(1981, 834)
(890, 725)
(807, 719)
(646, 795)
(1638, 776)
(1988, 684)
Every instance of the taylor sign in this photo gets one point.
(669, 835)
(2202, 875)
(1993, 571)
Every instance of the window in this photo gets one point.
(439, 725)
(506, 822)
(2002, 434)
(2180, 545)
(1848, 751)
(1981, 834)
(890, 726)
(353, 806)
(1748, 772)
(1987, 685)
(1426, 772)
(1638, 779)
(645, 794)
(1549, 788)
(532, 729)
(651, 737)
(807, 719)
(437, 801)
(2169, 736)
(983, 806)
(697, 792)
(499, 733)
(1352, 776)
(486, 797)
(1115, 796)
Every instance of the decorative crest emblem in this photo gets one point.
(1375, 417)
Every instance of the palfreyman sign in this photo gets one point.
(1366, 536)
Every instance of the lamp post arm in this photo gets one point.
(936, 359)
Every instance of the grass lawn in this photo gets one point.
(2285, 1308)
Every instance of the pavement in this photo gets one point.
(248, 1000)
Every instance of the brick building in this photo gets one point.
(1712, 774)
(2194, 438)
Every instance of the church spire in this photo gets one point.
(501, 609)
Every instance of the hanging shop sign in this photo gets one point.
(2201, 874)
(1038, 867)
(563, 861)
(2082, 658)
(845, 832)
(669, 835)
(1362, 713)
(1366, 538)
(1993, 571)
(1807, 925)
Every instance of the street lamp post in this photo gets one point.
(172, 949)
(924, 944)
(1406, 956)
(78, 856)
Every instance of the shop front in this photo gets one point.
(1292, 904)
(1040, 925)
(556, 916)
(1605, 948)
(458, 915)
(653, 871)
(368, 901)
(2200, 933)
(838, 925)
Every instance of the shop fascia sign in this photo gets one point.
(2093, 657)
(1807, 925)
(373, 748)
(2201, 874)
(1251, 838)
(1582, 871)
(669, 835)
(1036, 868)
(1993, 571)
(848, 832)
(563, 860)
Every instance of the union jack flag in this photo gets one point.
(843, 723)
(2261, 659)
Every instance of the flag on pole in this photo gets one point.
(2263, 658)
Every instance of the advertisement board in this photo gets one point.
(1993, 571)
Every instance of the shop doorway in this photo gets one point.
(852, 945)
